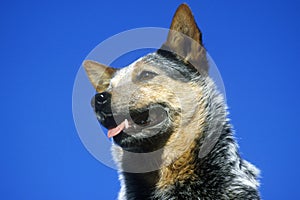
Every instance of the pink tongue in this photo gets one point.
(115, 131)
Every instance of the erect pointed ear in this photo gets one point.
(99, 74)
(185, 39)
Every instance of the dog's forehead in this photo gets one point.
(123, 75)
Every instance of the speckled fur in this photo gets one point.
(198, 156)
(220, 173)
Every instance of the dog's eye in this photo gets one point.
(146, 75)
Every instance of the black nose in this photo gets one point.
(102, 98)
(101, 103)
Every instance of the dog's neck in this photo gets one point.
(219, 166)
(140, 185)
(184, 171)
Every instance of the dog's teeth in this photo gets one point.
(126, 124)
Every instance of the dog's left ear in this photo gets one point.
(185, 39)
(99, 74)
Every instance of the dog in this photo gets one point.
(172, 137)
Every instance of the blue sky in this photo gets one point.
(254, 43)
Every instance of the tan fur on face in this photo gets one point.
(126, 90)
(179, 151)
(186, 99)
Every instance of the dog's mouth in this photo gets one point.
(149, 116)
(147, 119)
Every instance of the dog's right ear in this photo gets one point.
(185, 39)
(99, 74)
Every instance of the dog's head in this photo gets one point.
(143, 104)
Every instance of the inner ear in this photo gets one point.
(98, 74)
(185, 39)
(184, 22)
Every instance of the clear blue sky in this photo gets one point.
(43, 43)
